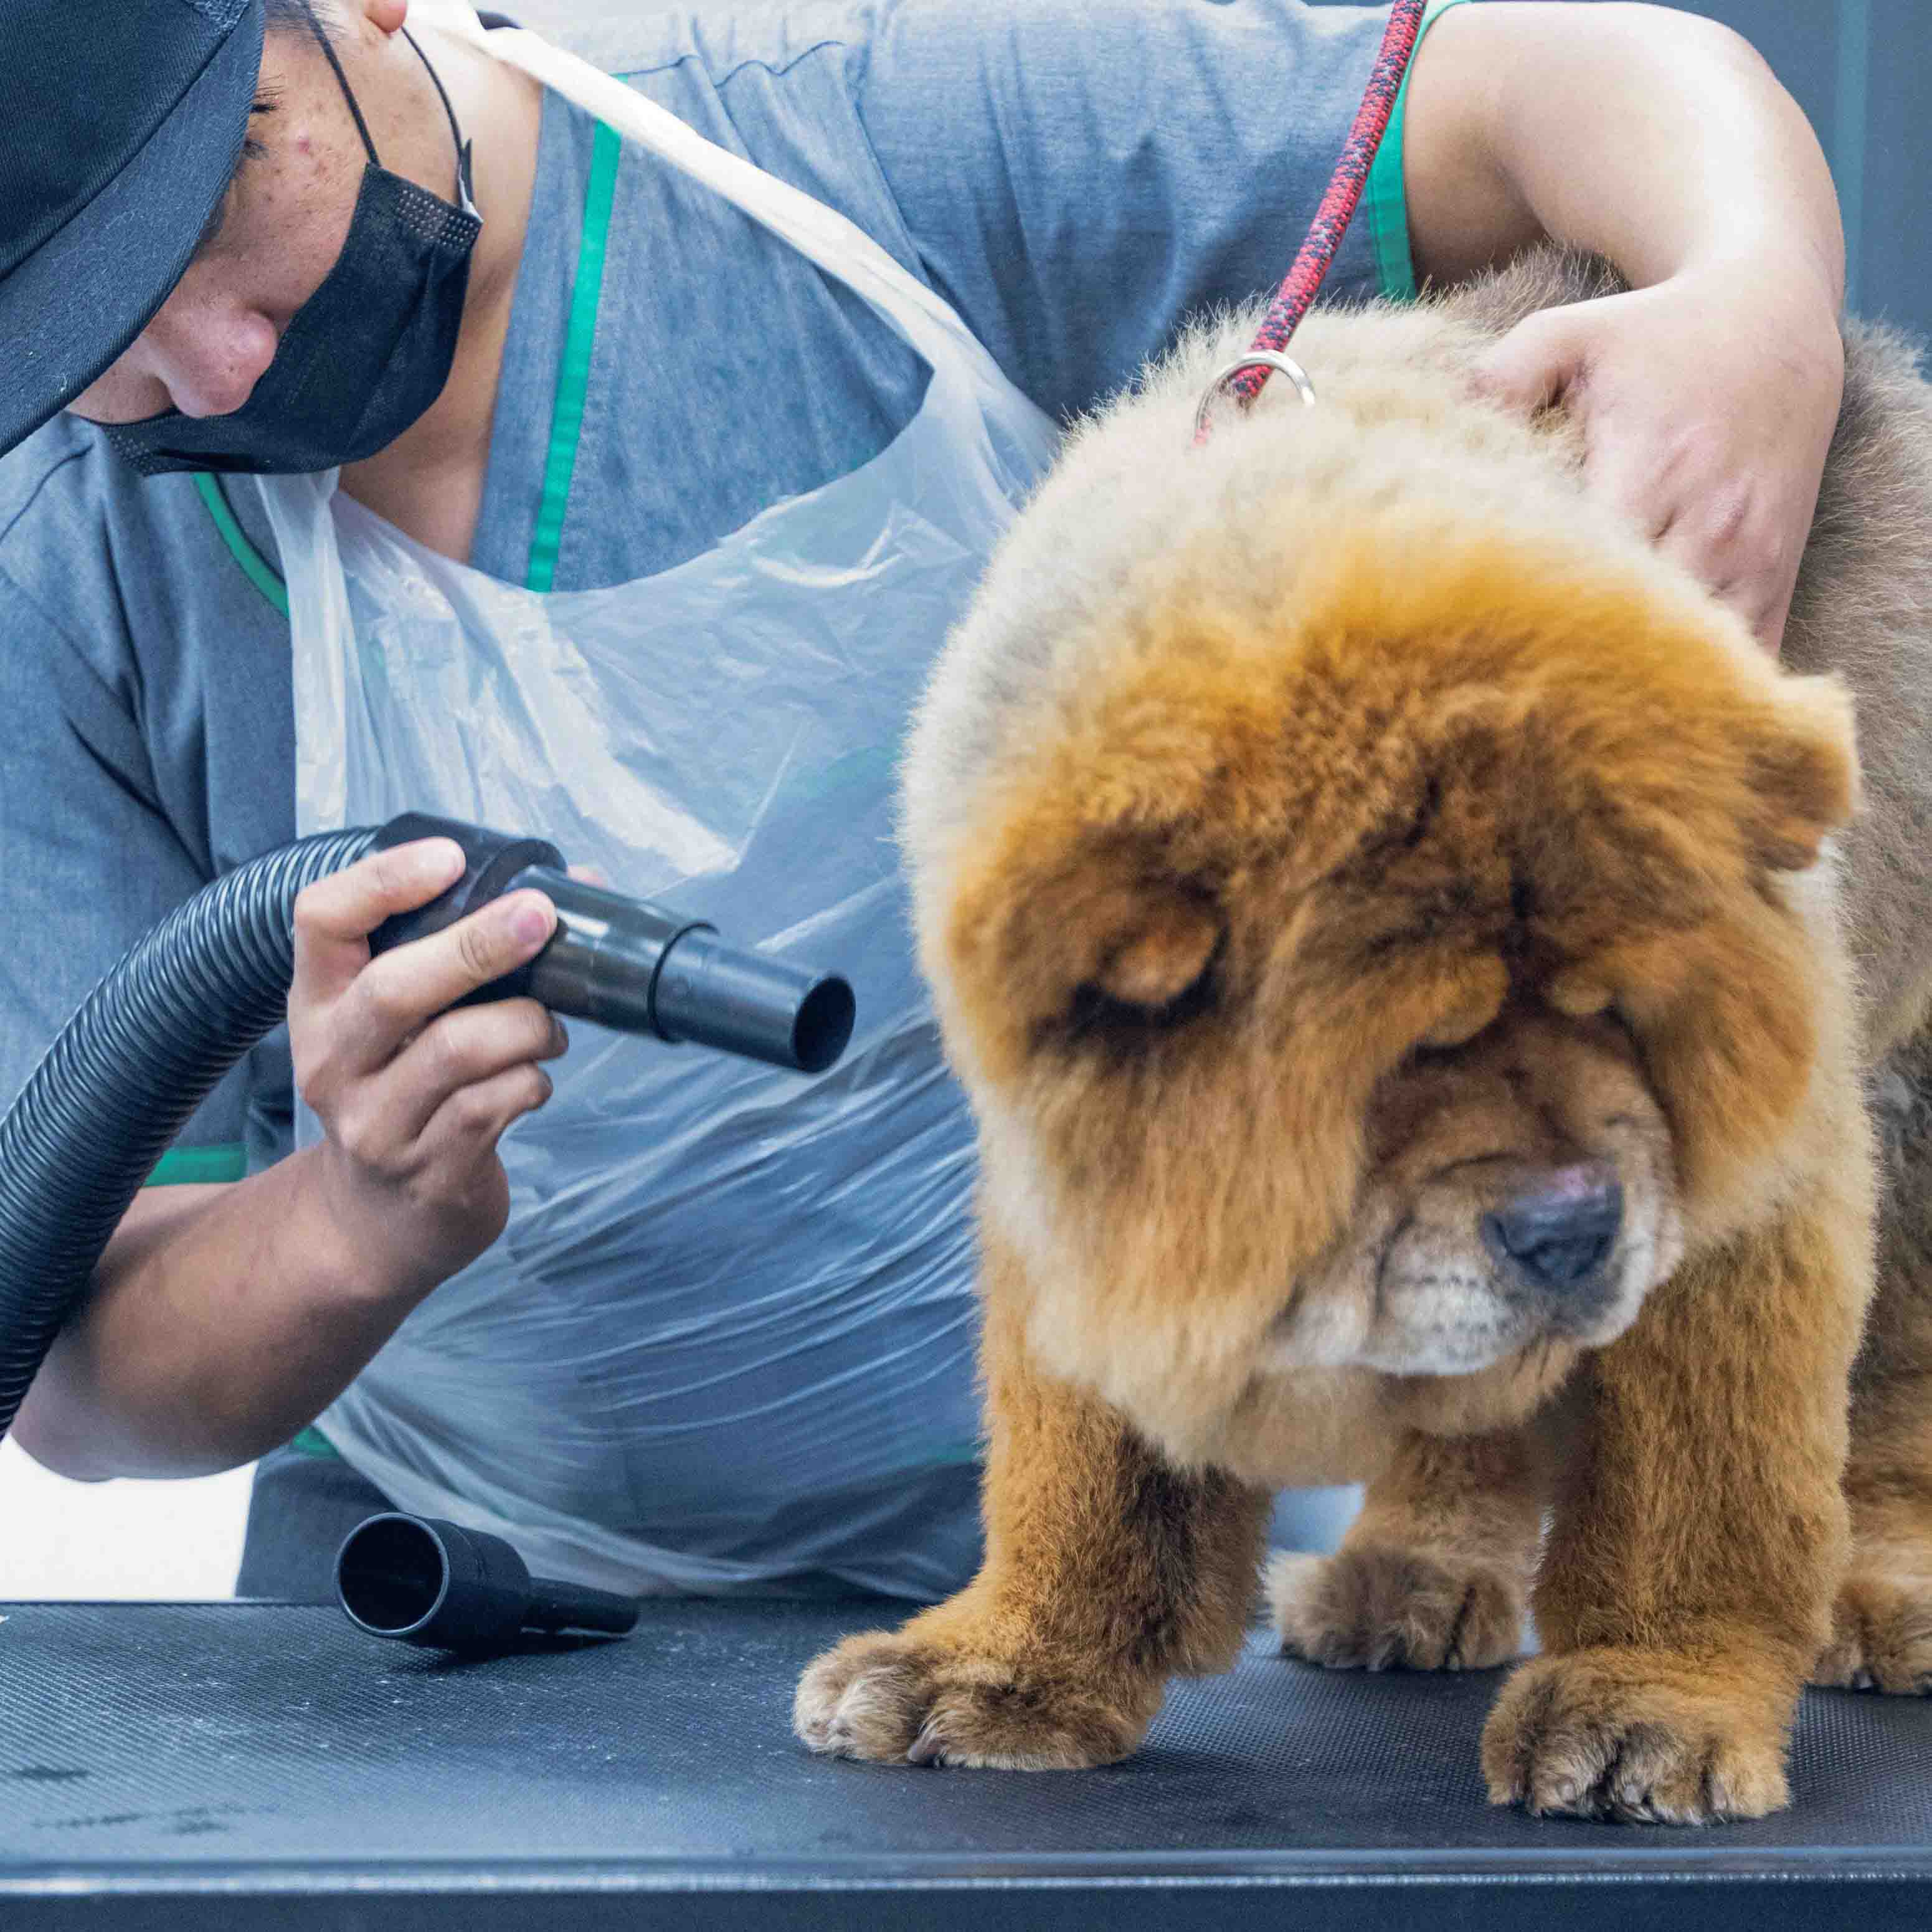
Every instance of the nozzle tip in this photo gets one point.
(823, 1025)
(391, 1575)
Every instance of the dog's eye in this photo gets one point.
(1579, 994)
(1095, 1011)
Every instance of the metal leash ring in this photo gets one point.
(1255, 359)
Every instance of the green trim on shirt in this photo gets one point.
(185, 1166)
(312, 1442)
(573, 376)
(255, 566)
(1385, 192)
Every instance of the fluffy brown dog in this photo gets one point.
(1420, 1025)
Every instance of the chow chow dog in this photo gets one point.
(1442, 1008)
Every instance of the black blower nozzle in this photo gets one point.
(424, 1581)
(628, 964)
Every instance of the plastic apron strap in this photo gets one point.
(838, 245)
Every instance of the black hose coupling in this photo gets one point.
(426, 1582)
(627, 964)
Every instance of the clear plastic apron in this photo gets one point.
(727, 1336)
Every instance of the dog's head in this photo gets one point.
(1392, 979)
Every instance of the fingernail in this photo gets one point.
(442, 858)
(532, 922)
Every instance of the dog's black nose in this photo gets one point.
(1559, 1233)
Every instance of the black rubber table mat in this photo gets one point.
(233, 1765)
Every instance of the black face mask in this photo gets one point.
(365, 356)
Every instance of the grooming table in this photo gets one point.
(234, 1766)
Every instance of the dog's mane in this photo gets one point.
(1394, 437)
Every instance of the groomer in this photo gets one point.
(246, 238)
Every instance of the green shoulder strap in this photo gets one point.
(573, 375)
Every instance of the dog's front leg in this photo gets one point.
(1107, 1571)
(1435, 1572)
(1699, 1537)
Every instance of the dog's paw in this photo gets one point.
(1387, 1608)
(898, 1698)
(1881, 1636)
(1643, 1739)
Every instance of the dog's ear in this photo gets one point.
(1104, 920)
(1053, 917)
(1804, 772)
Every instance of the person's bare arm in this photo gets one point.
(1663, 141)
(223, 1319)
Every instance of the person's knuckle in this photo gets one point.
(536, 1029)
(386, 998)
(1731, 520)
(315, 1066)
(436, 1050)
(306, 1055)
(310, 912)
(480, 948)
(473, 1110)
(395, 876)
(313, 1089)
(357, 1129)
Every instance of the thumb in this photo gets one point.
(1538, 362)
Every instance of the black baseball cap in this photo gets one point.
(121, 124)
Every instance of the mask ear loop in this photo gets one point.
(442, 92)
(321, 41)
(455, 132)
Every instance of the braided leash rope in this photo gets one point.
(1331, 218)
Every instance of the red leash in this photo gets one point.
(1331, 218)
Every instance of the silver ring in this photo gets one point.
(1256, 358)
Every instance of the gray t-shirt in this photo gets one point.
(1074, 176)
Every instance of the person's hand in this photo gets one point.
(412, 1098)
(1707, 403)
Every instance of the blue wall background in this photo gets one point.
(1861, 70)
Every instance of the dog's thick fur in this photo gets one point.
(1337, 849)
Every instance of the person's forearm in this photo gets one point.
(1658, 140)
(222, 1320)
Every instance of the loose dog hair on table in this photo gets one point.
(1437, 1014)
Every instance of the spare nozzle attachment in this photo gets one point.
(627, 964)
(426, 1582)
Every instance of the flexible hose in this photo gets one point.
(119, 1082)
